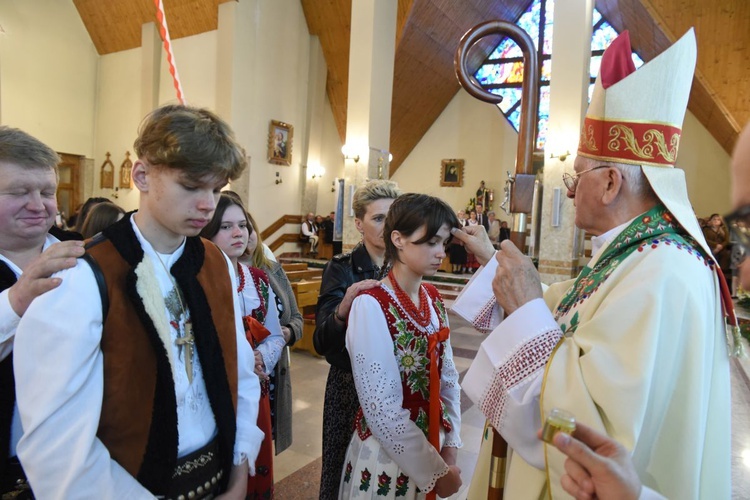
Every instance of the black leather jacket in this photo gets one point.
(341, 272)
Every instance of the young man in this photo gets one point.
(134, 377)
(635, 346)
(29, 255)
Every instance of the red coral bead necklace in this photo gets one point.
(422, 315)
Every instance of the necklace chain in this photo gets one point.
(422, 314)
(187, 340)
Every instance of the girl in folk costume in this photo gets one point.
(407, 430)
(229, 230)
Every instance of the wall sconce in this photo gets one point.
(278, 178)
(349, 153)
(317, 171)
(562, 156)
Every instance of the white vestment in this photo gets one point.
(643, 359)
(58, 365)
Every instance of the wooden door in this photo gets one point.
(68, 188)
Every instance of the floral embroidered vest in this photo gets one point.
(410, 349)
(262, 284)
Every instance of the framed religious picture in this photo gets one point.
(452, 173)
(126, 181)
(280, 143)
(107, 174)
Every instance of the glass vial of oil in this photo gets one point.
(557, 420)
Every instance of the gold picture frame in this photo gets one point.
(126, 181)
(452, 173)
(280, 143)
(107, 174)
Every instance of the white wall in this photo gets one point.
(467, 129)
(706, 166)
(48, 73)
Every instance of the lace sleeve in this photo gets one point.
(378, 382)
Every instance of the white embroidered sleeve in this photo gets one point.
(476, 303)
(249, 436)
(378, 381)
(506, 376)
(450, 393)
(270, 349)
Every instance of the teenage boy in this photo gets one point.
(134, 377)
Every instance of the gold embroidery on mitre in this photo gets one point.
(652, 138)
(588, 139)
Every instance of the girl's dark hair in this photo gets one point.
(410, 212)
(226, 200)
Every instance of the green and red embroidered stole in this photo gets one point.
(655, 227)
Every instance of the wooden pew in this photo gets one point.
(305, 274)
(294, 266)
(306, 293)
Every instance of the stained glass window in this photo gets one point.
(502, 71)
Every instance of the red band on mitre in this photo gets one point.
(629, 142)
(617, 61)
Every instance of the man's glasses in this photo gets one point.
(739, 225)
(571, 180)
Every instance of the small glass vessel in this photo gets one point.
(558, 420)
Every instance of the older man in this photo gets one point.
(634, 346)
(29, 255)
(309, 232)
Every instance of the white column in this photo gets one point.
(571, 54)
(150, 63)
(316, 97)
(368, 121)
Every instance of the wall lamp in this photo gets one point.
(278, 178)
(562, 156)
(317, 171)
(349, 153)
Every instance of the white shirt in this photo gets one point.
(59, 380)
(272, 346)
(8, 324)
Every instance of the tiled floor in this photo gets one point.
(297, 469)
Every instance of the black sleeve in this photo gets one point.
(330, 334)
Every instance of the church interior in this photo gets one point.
(364, 89)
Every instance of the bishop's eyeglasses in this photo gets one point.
(571, 180)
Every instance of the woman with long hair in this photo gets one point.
(229, 230)
(291, 326)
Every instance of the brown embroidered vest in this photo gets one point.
(138, 422)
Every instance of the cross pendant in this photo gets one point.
(188, 341)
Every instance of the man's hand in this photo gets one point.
(476, 241)
(597, 466)
(36, 279)
(237, 487)
(516, 280)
